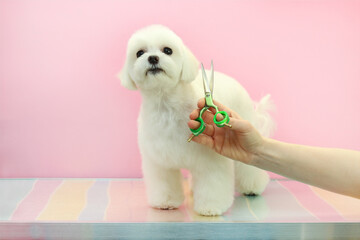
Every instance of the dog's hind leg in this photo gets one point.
(250, 180)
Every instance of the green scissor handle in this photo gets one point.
(200, 129)
(222, 122)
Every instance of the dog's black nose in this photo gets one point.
(153, 59)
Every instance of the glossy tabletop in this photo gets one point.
(117, 209)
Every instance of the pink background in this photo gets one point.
(63, 113)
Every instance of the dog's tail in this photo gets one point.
(264, 122)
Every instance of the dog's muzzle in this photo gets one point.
(154, 70)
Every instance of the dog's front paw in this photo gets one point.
(166, 206)
(208, 211)
(211, 209)
(166, 202)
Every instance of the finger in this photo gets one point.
(204, 140)
(201, 103)
(209, 129)
(208, 117)
(195, 114)
(219, 117)
(193, 124)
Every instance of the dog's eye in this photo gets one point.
(139, 53)
(167, 51)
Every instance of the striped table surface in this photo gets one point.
(124, 200)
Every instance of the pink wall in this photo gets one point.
(63, 112)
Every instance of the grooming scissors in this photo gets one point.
(208, 91)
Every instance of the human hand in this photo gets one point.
(241, 142)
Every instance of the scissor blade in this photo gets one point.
(212, 78)
(205, 80)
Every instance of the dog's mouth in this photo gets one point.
(154, 70)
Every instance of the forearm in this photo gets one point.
(336, 170)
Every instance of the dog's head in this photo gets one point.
(157, 59)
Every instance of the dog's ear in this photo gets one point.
(126, 79)
(190, 66)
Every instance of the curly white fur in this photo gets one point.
(169, 96)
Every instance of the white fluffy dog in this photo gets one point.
(168, 76)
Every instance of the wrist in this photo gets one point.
(261, 153)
